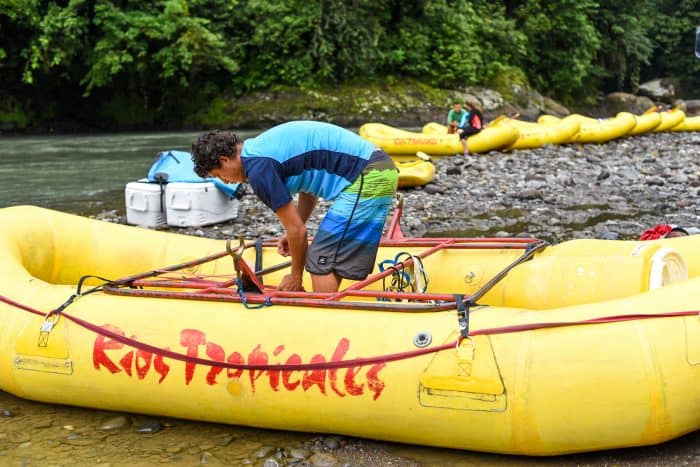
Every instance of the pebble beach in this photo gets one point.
(611, 191)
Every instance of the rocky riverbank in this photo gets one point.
(613, 190)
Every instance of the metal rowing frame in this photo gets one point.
(227, 290)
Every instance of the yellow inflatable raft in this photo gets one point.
(670, 119)
(597, 131)
(418, 172)
(688, 124)
(534, 135)
(434, 140)
(586, 345)
(491, 138)
(646, 122)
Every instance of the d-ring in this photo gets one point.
(462, 339)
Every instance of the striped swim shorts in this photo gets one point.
(348, 238)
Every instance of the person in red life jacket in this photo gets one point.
(454, 116)
(471, 124)
(663, 231)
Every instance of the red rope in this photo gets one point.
(344, 363)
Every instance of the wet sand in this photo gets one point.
(33, 434)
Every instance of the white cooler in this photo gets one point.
(197, 204)
(143, 204)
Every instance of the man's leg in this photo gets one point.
(345, 245)
(326, 283)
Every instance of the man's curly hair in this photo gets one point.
(209, 147)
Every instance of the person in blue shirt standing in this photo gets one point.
(314, 160)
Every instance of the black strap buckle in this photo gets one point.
(463, 315)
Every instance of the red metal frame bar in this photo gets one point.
(258, 299)
(207, 289)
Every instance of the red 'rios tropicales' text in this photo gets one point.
(115, 357)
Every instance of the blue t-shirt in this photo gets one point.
(303, 156)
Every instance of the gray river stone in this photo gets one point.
(323, 459)
(263, 451)
(114, 423)
(299, 453)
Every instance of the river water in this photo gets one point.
(79, 174)
(86, 175)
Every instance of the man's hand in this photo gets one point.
(294, 243)
(291, 283)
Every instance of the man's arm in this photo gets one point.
(305, 206)
(295, 232)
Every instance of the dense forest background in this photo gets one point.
(162, 63)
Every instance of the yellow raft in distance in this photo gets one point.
(534, 135)
(398, 142)
(418, 172)
(434, 140)
(597, 131)
(491, 138)
(688, 124)
(670, 119)
(588, 345)
(646, 122)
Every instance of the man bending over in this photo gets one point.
(315, 160)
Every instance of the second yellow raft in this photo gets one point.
(434, 139)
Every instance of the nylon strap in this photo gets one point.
(462, 315)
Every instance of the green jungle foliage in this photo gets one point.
(150, 64)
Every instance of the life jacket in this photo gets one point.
(475, 120)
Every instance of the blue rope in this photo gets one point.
(400, 278)
(244, 299)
